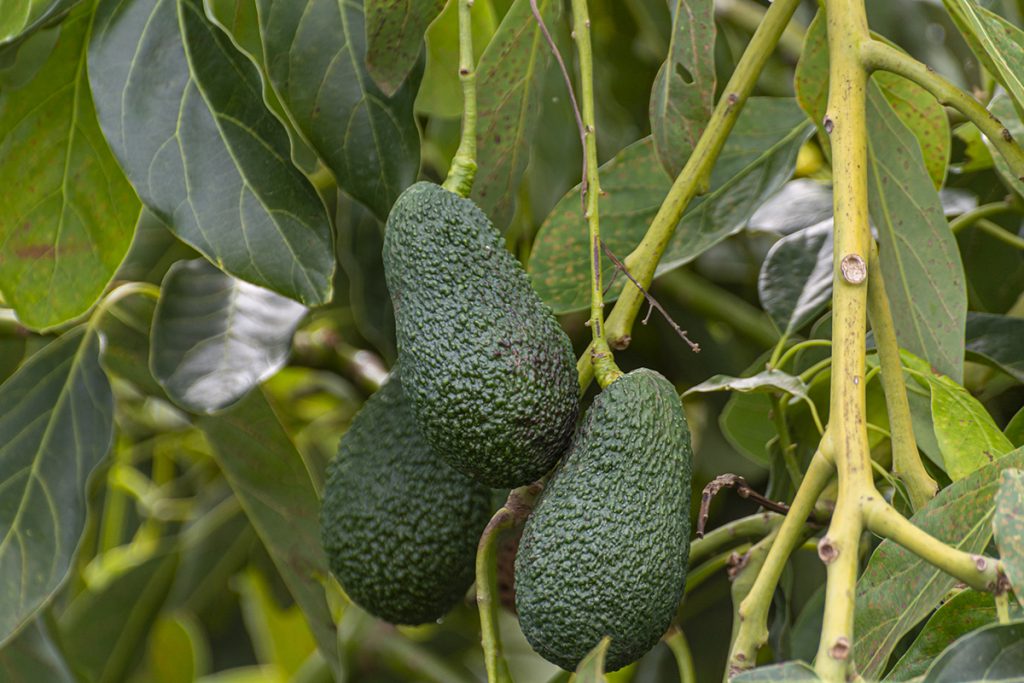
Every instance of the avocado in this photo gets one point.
(400, 527)
(604, 552)
(489, 372)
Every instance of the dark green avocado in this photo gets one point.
(605, 550)
(399, 526)
(489, 372)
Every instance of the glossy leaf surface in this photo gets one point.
(992, 653)
(795, 284)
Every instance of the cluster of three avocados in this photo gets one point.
(485, 395)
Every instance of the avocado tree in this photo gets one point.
(223, 224)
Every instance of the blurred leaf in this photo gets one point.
(790, 672)
(34, 656)
(18, 18)
(591, 669)
(964, 612)
(316, 58)
(440, 93)
(246, 674)
(57, 425)
(21, 60)
(919, 258)
(510, 79)
(103, 630)
(1002, 108)
(810, 79)
(758, 158)
(187, 121)
(274, 487)
(996, 339)
(216, 337)
(177, 651)
(977, 156)
(801, 203)
(125, 326)
(992, 653)
(795, 284)
(746, 424)
(966, 433)
(279, 636)
(394, 38)
(153, 250)
(768, 381)
(684, 90)
(1008, 525)
(997, 43)
(1015, 429)
(69, 224)
(898, 589)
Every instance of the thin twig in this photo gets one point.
(651, 300)
(572, 96)
(743, 490)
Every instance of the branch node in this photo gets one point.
(828, 551)
(980, 562)
(840, 649)
(829, 125)
(854, 269)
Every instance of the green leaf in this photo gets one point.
(1015, 429)
(920, 261)
(1008, 525)
(769, 381)
(591, 669)
(789, 672)
(57, 425)
(20, 18)
(274, 488)
(758, 158)
(177, 651)
(746, 424)
(316, 58)
(279, 635)
(967, 436)
(34, 656)
(69, 224)
(992, 653)
(216, 337)
(684, 90)
(186, 118)
(125, 326)
(795, 284)
(898, 589)
(1002, 108)
(394, 38)
(963, 613)
(104, 629)
(996, 339)
(810, 78)
(998, 44)
(510, 80)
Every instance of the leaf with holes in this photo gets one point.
(316, 58)
(510, 79)
(216, 337)
(56, 427)
(898, 589)
(185, 117)
(684, 90)
(1008, 525)
(394, 38)
(69, 223)
(795, 284)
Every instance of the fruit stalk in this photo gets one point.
(463, 168)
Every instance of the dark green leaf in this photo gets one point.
(57, 425)
(591, 669)
(684, 90)
(795, 285)
(768, 381)
(1008, 525)
(68, 224)
(316, 58)
(186, 118)
(810, 80)
(510, 79)
(104, 629)
(274, 487)
(898, 589)
(1002, 108)
(216, 337)
(756, 161)
(996, 339)
(801, 203)
(746, 424)
(963, 613)
(992, 653)
(790, 672)
(125, 326)
(997, 43)
(394, 38)
(34, 656)
(919, 258)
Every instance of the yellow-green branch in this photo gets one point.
(463, 168)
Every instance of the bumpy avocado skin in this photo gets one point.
(399, 526)
(489, 372)
(605, 550)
